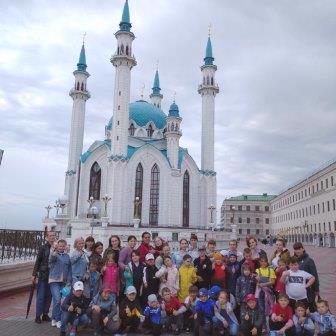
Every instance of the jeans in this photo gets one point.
(55, 288)
(43, 297)
(232, 328)
(74, 319)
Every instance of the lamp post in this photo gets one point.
(63, 203)
(57, 207)
(233, 225)
(136, 219)
(211, 208)
(106, 199)
(48, 208)
(90, 201)
(93, 212)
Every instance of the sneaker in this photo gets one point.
(38, 320)
(58, 324)
(53, 323)
(46, 318)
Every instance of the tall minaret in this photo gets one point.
(208, 90)
(80, 95)
(124, 61)
(173, 134)
(156, 95)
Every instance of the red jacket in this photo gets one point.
(173, 304)
(143, 250)
(219, 274)
(286, 313)
(280, 287)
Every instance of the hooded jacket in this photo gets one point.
(307, 264)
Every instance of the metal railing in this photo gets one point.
(19, 245)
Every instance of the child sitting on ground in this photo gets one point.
(304, 325)
(190, 303)
(324, 320)
(225, 321)
(204, 313)
(153, 315)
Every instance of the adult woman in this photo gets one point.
(158, 245)
(96, 255)
(145, 246)
(125, 254)
(280, 253)
(257, 252)
(79, 260)
(115, 246)
(183, 250)
(88, 245)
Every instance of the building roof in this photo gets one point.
(81, 65)
(208, 60)
(125, 24)
(174, 110)
(156, 85)
(252, 198)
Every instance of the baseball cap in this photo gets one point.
(250, 297)
(149, 256)
(78, 286)
(130, 290)
(152, 298)
(203, 291)
(214, 290)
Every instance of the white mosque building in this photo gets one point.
(139, 175)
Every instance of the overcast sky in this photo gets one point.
(275, 113)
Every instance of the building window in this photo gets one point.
(305, 192)
(240, 220)
(321, 185)
(308, 190)
(329, 226)
(138, 188)
(231, 207)
(240, 231)
(327, 183)
(313, 190)
(266, 220)
(248, 231)
(319, 227)
(328, 206)
(267, 231)
(257, 208)
(315, 227)
(257, 220)
(318, 208)
(240, 208)
(185, 214)
(257, 231)
(334, 225)
(231, 220)
(334, 205)
(332, 180)
(95, 180)
(154, 196)
(131, 130)
(150, 131)
(314, 209)
(317, 187)
(266, 208)
(248, 220)
(248, 208)
(324, 227)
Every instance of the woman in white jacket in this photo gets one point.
(169, 276)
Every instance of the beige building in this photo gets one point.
(306, 211)
(248, 214)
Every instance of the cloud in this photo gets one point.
(276, 72)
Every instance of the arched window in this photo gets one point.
(185, 211)
(82, 87)
(122, 49)
(150, 131)
(131, 130)
(95, 181)
(77, 86)
(212, 82)
(126, 50)
(208, 80)
(138, 188)
(118, 51)
(154, 196)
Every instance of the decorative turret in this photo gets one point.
(156, 96)
(124, 61)
(80, 95)
(173, 134)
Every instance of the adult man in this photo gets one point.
(233, 247)
(193, 248)
(41, 275)
(307, 264)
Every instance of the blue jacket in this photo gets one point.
(154, 314)
(92, 284)
(79, 264)
(326, 322)
(205, 309)
(59, 267)
(108, 307)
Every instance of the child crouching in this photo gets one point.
(204, 314)
(153, 315)
(304, 325)
(324, 320)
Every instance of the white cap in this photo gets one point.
(149, 256)
(130, 290)
(78, 285)
(152, 298)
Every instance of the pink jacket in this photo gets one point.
(111, 277)
(169, 277)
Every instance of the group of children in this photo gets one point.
(208, 292)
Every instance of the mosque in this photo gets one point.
(139, 175)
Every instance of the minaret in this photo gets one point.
(124, 61)
(208, 90)
(80, 95)
(173, 134)
(156, 96)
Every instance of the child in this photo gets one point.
(110, 272)
(103, 312)
(281, 319)
(224, 319)
(204, 313)
(251, 317)
(279, 286)
(211, 248)
(218, 271)
(324, 320)
(79, 260)
(150, 281)
(130, 311)
(296, 282)
(127, 277)
(265, 281)
(169, 276)
(246, 284)
(214, 293)
(190, 303)
(188, 277)
(59, 277)
(247, 259)
(304, 325)
(153, 315)
(172, 311)
(203, 268)
(74, 309)
(136, 268)
(96, 255)
(92, 281)
(233, 272)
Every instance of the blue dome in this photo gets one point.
(174, 110)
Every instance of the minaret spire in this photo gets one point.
(81, 65)
(125, 23)
(156, 96)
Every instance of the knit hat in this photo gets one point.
(152, 298)
(217, 256)
(203, 291)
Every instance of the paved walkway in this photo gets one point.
(13, 307)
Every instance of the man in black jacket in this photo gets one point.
(203, 269)
(307, 264)
(41, 275)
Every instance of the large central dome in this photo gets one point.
(142, 112)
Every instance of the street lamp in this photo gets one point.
(63, 202)
(137, 203)
(90, 201)
(93, 212)
(106, 199)
(211, 208)
(48, 208)
(233, 225)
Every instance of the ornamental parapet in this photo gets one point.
(116, 158)
(208, 172)
(70, 172)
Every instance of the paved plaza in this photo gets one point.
(13, 307)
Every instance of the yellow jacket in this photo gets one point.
(187, 278)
